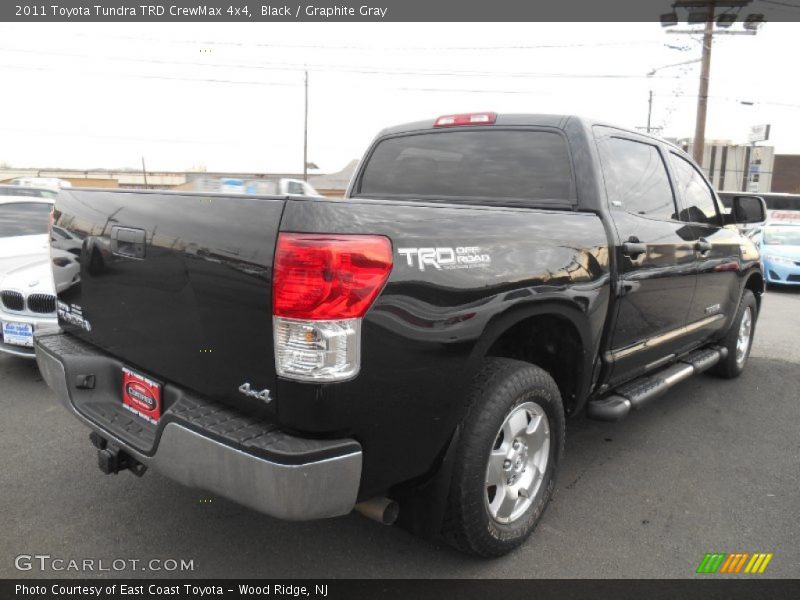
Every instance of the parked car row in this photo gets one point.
(31, 271)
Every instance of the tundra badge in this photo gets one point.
(259, 395)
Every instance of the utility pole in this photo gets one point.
(144, 172)
(649, 110)
(705, 11)
(305, 131)
(702, 95)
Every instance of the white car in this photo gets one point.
(27, 286)
(65, 267)
(53, 183)
(65, 240)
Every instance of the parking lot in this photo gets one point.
(714, 466)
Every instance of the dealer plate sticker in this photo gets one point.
(18, 334)
(141, 395)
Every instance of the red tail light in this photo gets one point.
(325, 277)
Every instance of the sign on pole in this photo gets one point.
(758, 133)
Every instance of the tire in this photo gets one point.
(733, 365)
(505, 393)
(96, 263)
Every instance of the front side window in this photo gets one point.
(698, 201)
(24, 218)
(636, 178)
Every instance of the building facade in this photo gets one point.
(736, 167)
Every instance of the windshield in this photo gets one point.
(783, 235)
(485, 164)
(24, 218)
(28, 192)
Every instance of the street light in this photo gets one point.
(685, 62)
(726, 20)
(650, 96)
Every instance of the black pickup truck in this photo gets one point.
(411, 351)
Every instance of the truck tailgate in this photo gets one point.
(175, 285)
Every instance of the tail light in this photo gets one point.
(487, 118)
(322, 287)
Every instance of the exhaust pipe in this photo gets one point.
(382, 510)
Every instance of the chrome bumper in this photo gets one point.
(311, 490)
(39, 323)
(21, 351)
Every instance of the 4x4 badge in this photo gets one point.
(259, 395)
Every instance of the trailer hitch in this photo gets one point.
(112, 459)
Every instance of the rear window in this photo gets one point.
(24, 218)
(486, 164)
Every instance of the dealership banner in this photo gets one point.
(418, 589)
(362, 10)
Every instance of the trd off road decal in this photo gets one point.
(446, 258)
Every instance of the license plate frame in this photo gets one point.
(142, 395)
(16, 333)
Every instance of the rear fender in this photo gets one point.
(566, 309)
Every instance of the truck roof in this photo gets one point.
(527, 120)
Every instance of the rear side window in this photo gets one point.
(636, 178)
(698, 201)
(486, 164)
(24, 218)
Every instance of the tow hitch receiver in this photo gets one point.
(112, 460)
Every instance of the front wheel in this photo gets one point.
(739, 339)
(511, 443)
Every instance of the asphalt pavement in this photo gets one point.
(714, 466)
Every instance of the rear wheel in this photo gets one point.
(739, 339)
(511, 443)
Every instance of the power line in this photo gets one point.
(350, 46)
(297, 67)
(159, 77)
(266, 83)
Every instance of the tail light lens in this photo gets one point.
(320, 276)
(488, 118)
(322, 287)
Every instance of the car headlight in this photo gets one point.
(781, 260)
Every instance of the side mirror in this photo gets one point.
(748, 209)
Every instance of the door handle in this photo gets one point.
(128, 242)
(702, 246)
(634, 249)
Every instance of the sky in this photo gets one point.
(230, 97)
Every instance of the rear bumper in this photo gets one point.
(205, 445)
